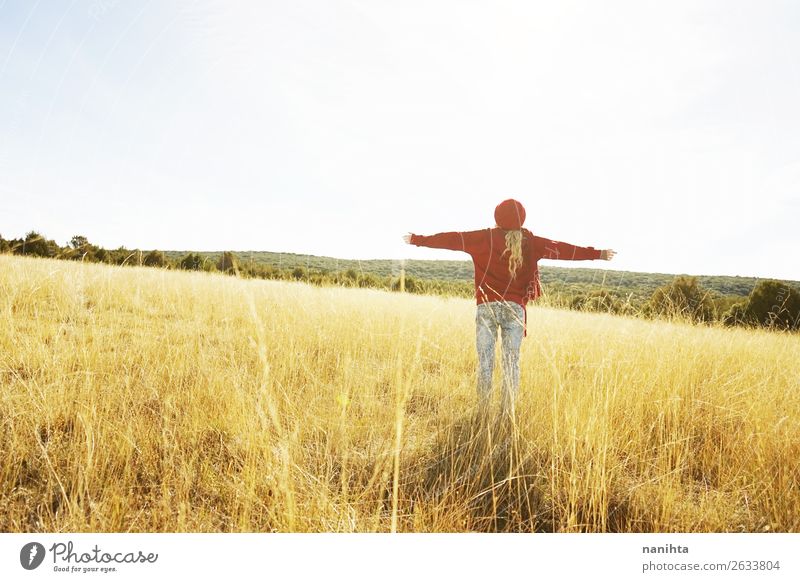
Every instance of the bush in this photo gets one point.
(37, 245)
(774, 304)
(121, 256)
(412, 285)
(684, 298)
(723, 304)
(79, 242)
(155, 259)
(191, 262)
(738, 315)
(228, 263)
(102, 255)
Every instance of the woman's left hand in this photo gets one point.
(407, 238)
(607, 254)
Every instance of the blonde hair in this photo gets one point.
(514, 249)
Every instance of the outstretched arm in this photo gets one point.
(454, 241)
(545, 248)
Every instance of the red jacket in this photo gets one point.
(493, 281)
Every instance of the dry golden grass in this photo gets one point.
(143, 400)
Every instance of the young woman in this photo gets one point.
(506, 278)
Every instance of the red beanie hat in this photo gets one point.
(509, 214)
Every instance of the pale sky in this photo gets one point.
(669, 131)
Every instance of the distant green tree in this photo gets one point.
(37, 245)
(102, 255)
(78, 242)
(80, 249)
(683, 298)
(120, 256)
(774, 304)
(298, 273)
(155, 259)
(228, 263)
(191, 262)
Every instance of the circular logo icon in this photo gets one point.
(31, 555)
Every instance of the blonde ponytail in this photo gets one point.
(514, 249)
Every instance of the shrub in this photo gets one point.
(155, 259)
(37, 245)
(192, 262)
(228, 263)
(737, 314)
(774, 304)
(684, 298)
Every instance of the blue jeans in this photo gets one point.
(508, 316)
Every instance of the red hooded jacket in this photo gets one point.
(493, 281)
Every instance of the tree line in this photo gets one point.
(769, 304)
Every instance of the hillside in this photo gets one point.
(640, 285)
(141, 399)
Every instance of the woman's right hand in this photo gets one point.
(407, 238)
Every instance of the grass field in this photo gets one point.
(134, 399)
